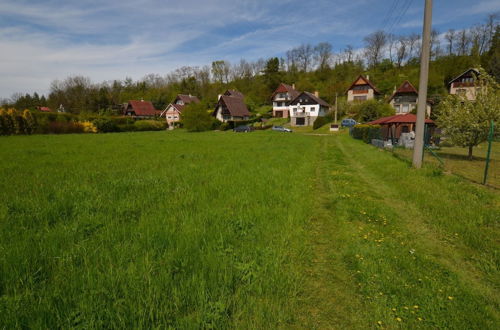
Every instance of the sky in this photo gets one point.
(45, 40)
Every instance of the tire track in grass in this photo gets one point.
(448, 261)
(330, 298)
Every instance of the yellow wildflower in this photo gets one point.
(450, 298)
(398, 319)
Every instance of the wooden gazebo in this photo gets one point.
(393, 126)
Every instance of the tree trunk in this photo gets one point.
(470, 152)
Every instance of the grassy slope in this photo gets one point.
(239, 230)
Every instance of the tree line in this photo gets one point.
(389, 59)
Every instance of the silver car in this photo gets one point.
(281, 129)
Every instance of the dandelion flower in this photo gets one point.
(398, 319)
(450, 298)
(420, 319)
(379, 322)
(415, 306)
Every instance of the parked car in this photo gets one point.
(281, 129)
(243, 128)
(348, 122)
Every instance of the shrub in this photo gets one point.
(196, 118)
(150, 125)
(88, 127)
(29, 122)
(6, 123)
(58, 127)
(17, 121)
(321, 121)
(366, 132)
(106, 125)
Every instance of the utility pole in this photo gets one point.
(418, 148)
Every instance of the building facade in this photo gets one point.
(465, 84)
(361, 90)
(306, 107)
(281, 99)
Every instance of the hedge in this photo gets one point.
(366, 132)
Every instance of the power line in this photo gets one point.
(389, 13)
(405, 8)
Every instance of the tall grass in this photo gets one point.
(149, 229)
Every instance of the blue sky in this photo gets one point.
(44, 40)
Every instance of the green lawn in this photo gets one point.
(456, 161)
(226, 230)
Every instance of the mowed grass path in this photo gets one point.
(260, 230)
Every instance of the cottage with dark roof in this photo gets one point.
(405, 99)
(465, 84)
(306, 107)
(281, 100)
(173, 111)
(362, 90)
(231, 107)
(140, 109)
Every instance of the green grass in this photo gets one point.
(456, 161)
(225, 230)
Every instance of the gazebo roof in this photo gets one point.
(408, 118)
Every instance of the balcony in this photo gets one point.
(301, 114)
(463, 84)
(360, 91)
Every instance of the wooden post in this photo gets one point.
(488, 154)
(422, 88)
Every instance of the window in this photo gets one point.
(275, 104)
(360, 98)
(169, 117)
(300, 121)
(406, 108)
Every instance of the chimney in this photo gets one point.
(367, 77)
(293, 85)
(316, 93)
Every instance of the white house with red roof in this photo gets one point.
(173, 111)
(281, 100)
(140, 109)
(361, 90)
(306, 107)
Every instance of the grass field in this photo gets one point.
(455, 161)
(225, 230)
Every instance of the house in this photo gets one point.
(465, 84)
(44, 109)
(281, 100)
(405, 99)
(231, 107)
(306, 107)
(362, 90)
(172, 112)
(140, 109)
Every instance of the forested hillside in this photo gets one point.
(388, 59)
